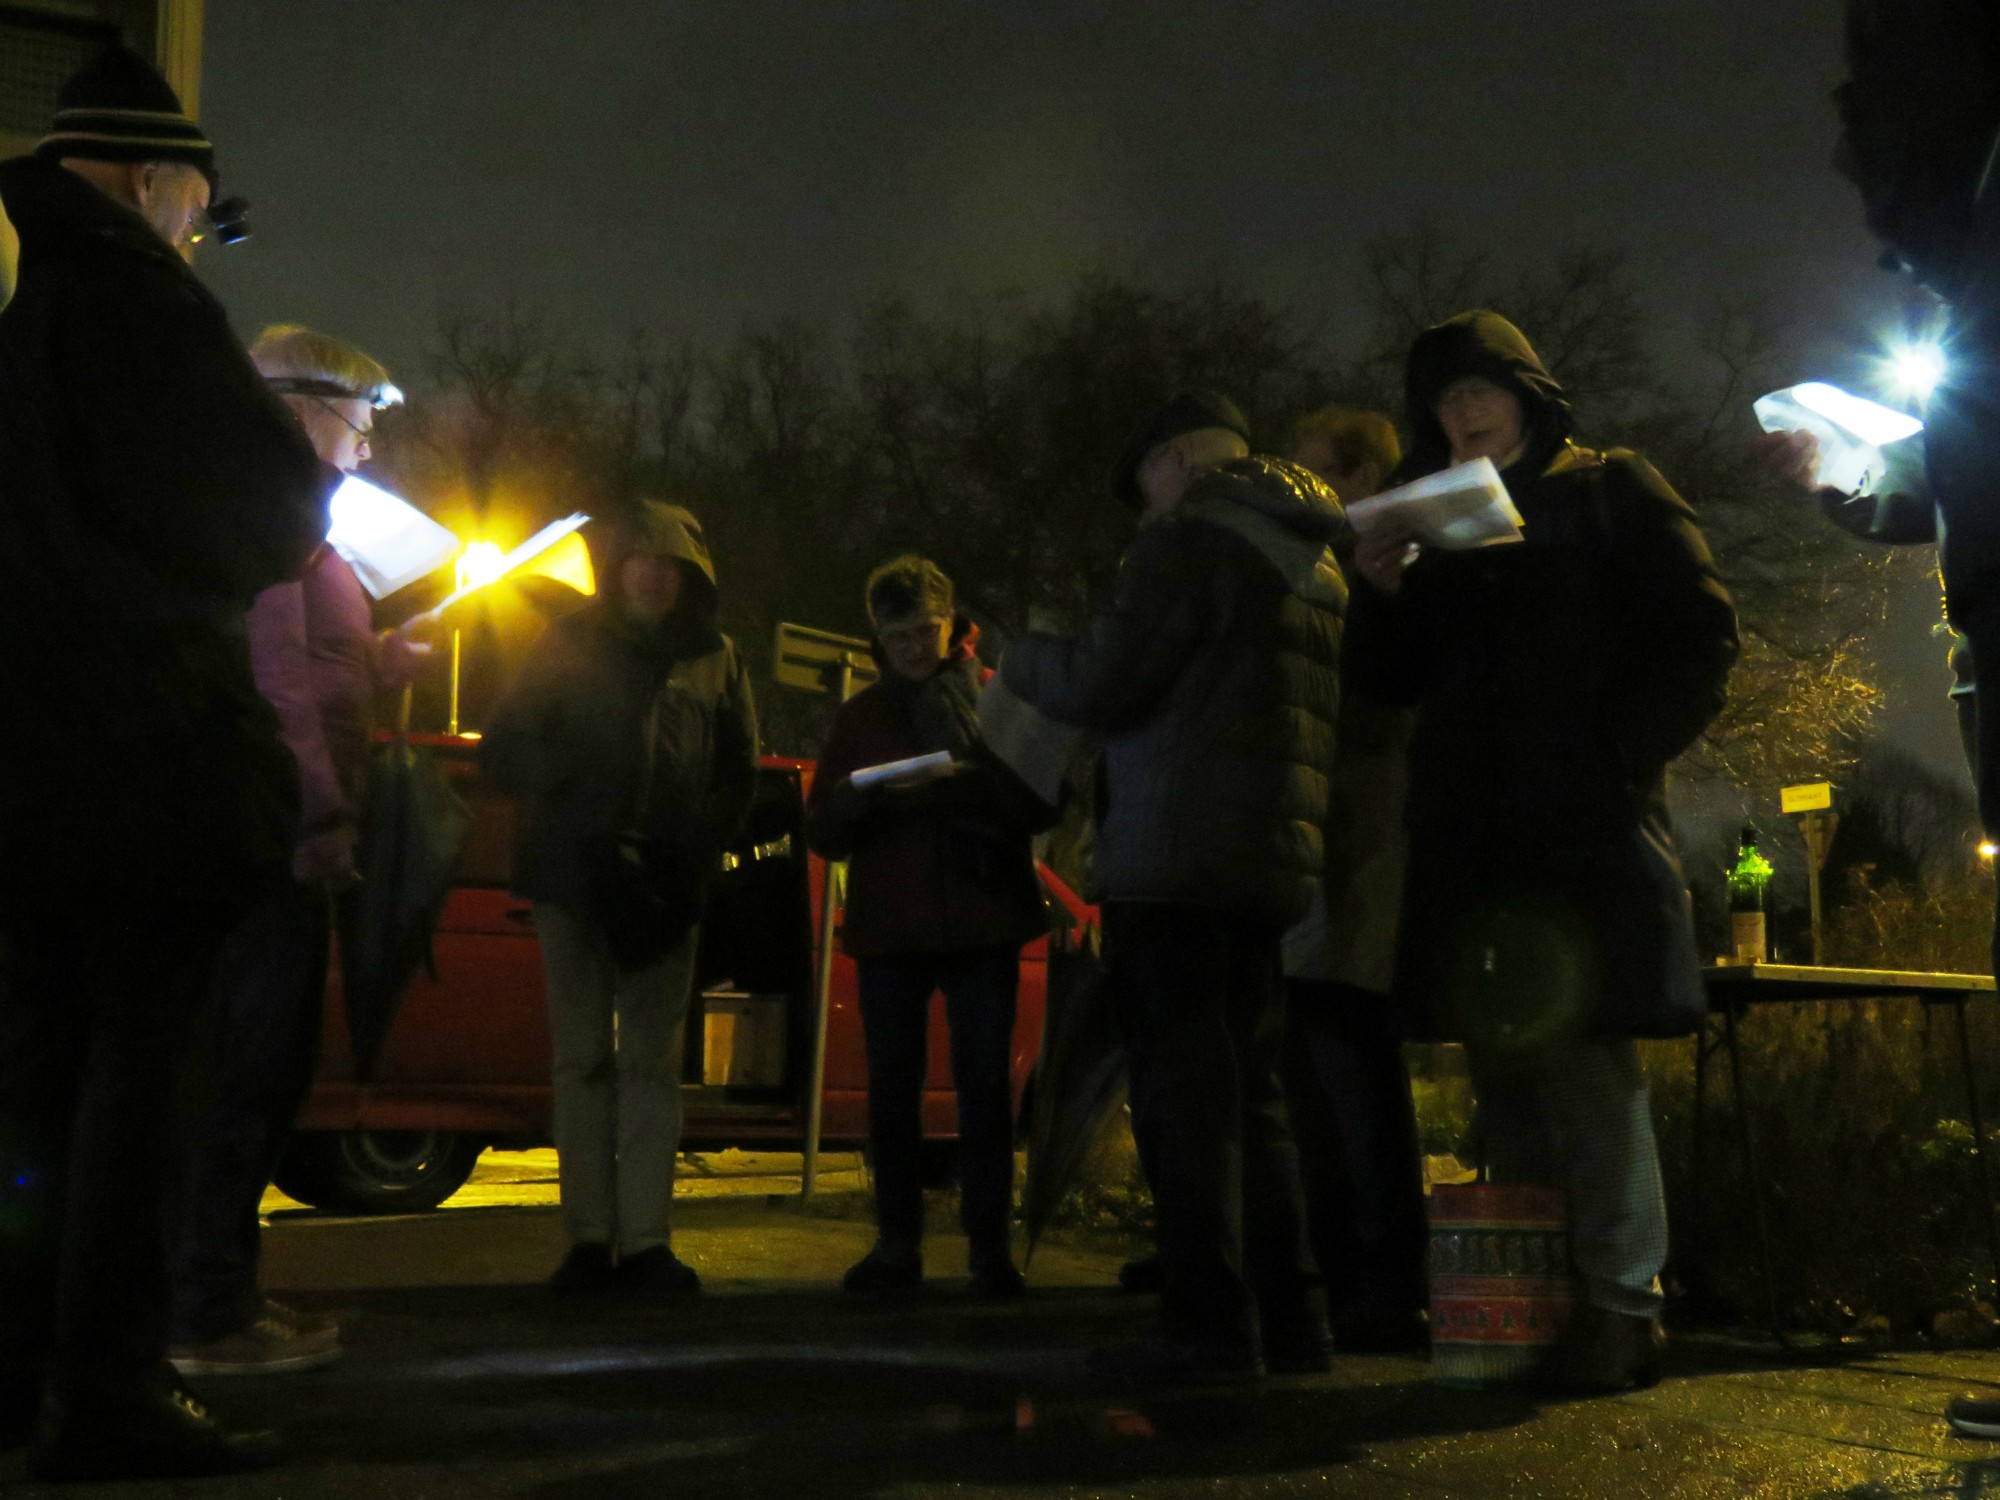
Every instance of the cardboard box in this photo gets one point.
(743, 1040)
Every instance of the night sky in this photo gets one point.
(690, 166)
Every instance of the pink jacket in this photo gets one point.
(316, 659)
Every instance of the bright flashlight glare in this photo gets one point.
(1917, 369)
(1988, 849)
(482, 563)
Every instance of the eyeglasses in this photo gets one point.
(359, 431)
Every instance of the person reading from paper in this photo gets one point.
(1545, 919)
(941, 895)
(320, 664)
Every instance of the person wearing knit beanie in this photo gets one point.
(155, 487)
(120, 126)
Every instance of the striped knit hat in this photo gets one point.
(117, 107)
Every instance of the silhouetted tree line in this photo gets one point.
(982, 434)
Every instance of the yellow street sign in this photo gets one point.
(1814, 796)
(821, 662)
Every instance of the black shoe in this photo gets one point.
(1974, 1416)
(585, 1272)
(1375, 1328)
(1601, 1353)
(996, 1279)
(157, 1433)
(657, 1272)
(1159, 1363)
(884, 1271)
(1298, 1343)
(1140, 1274)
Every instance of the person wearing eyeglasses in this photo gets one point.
(321, 665)
(153, 489)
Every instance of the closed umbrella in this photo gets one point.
(412, 822)
(1079, 1084)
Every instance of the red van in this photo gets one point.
(466, 1063)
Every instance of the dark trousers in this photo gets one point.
(1199, 999)
(979, 996)
(1349, 1096)
(255, 1066)
(97, 1007)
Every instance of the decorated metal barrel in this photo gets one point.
(1500, 1285)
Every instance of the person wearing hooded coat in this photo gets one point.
(1546, 922)
(1211, 672)
(941, 894)
(632, 736)
(152, 488)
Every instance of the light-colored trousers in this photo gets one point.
(617, 1080)
(1575, 1115)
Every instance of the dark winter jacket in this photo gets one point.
(1212, 671)
(1554, 680)
(613, 727)
(1920, 124)
(150, 487)
(945, 867)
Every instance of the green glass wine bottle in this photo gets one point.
(1749, 893)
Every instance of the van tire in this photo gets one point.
(376, 1171)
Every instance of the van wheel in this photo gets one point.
(376, 1171)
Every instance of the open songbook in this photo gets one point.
(1458, 508)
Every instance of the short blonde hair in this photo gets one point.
(1210, 447)
(1357, 437)
(290, 351)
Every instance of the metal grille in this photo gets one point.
(36, 58)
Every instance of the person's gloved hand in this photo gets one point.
(848, 802)
(327, 858)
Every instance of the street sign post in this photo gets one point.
(818, 661)
(1812, 804)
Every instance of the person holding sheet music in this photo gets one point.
(320, 664)
(1545, 919)
(941, 895)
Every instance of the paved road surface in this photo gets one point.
(465, 1379)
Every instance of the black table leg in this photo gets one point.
(1982, 1174)
(1747, 1143)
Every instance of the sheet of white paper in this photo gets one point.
(898, 772)
(1458, 508)
(1858, 439)
(388, 542)
(1025, 740)
(528, 551)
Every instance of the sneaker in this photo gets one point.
(1140, 1274)
(311, 1323)
(1298, 1342)
(266, 1347)
(997, 1280)
(1160, 1362)
(585, 1272)
(657, 1272)
(154, 1433)
(884, 1271)
(1974, 1416)
(1601, 1353)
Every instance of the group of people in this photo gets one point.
(1351, 790)
(1359, 791)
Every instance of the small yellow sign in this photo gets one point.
(818, 661)
(1814, 796)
